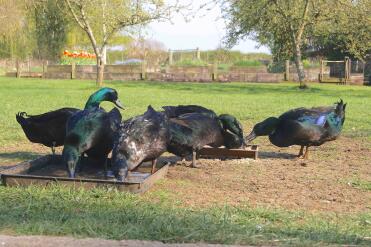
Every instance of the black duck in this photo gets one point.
(302, 126)
(48, 128)
(91, 130)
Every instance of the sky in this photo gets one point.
(205, 31)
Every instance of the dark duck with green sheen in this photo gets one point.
(48, 128)
(141, 138)
(302, 126)
(196, 127)
(91, 130)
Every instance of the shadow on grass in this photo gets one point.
(116, 215)
(276, 155)
(20, 155)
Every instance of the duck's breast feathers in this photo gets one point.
(86, 120)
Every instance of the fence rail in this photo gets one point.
(210, 73)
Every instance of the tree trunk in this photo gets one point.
(100, 71)
(300, 67)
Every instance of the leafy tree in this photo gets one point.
(349, 34)
(283, 25)
(51, 28)
(16, 29)
(101, 20)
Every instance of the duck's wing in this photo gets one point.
(46, 128)
(315, 116)
(176, 111)
(56, 115)
(180, 133)
(115, 118)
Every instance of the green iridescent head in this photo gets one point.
(231, 123)
(264, 128)
(103, 94)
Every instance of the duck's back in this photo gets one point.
(304, 126)
(176, 111)
(48, 128)
(192, 131)
(143, 137)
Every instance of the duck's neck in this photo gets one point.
(93, 101)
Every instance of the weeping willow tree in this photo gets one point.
(51, 28)
(16, 30)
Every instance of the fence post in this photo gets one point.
(214, 75)
(287, 70)
(45, 68)
(18, 67)
(198, 53)
(320, 78)
(143, 71)
(170, 57)
(73, 70)
(347, 69)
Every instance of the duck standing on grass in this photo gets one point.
(48, 128)
(91, 130)
(302, 126)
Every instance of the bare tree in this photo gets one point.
(102, 19)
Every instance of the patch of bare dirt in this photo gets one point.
(325, 182)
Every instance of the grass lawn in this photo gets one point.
(160, 215)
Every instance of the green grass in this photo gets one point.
(248, 63)
(191, 62)
(114, 215)
(249, 102)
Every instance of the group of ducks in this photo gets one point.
(181, 130)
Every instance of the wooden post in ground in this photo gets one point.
(287, 70)
(198, 53)
(320, 77)
(73, 70)
(170, 57)
(45, 68)
(214, 74)
(346, 69)
(143, 70)
(18, 67)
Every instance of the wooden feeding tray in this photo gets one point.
(50, 169)
(251, 151)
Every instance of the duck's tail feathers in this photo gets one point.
(21, 118)
(340, 107)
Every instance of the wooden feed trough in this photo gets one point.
(251, 151)
(49, 169)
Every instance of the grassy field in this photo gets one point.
(158, 216)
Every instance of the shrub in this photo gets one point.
(248, 63)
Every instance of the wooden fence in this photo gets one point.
(180, 73)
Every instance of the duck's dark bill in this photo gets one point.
(250, 137)
(119, 104)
